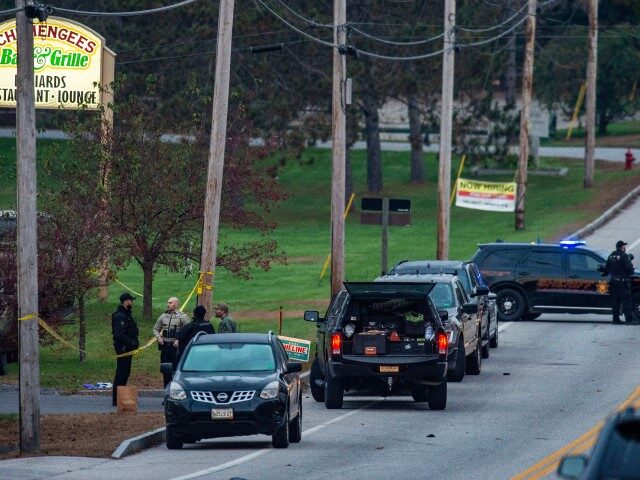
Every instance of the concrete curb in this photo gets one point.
(139, 443)
(608, 214)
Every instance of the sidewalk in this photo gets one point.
(148, 401)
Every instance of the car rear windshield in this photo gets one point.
(462, 273)
(230, 357)
(442, 296)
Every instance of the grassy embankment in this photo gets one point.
(624, 134)
(554, 207)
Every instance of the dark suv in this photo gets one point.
(474, 285)
(534, 278)
(383, 336)
(615, 455)
(233, 384)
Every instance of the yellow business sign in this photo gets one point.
(67, 60)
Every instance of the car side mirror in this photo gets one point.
(444, 315)
(572, 467)
(480, 291)
(470, 308)
(312, 316)
(166, 368)
(293, 367)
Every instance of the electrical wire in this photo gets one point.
(10, 11)
(302, 17)
(392, 42)
(494, 38)
(250, 49)
(301, 32)
(494, 27)
(125, 14)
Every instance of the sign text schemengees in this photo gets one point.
(492, 196)
(67, 64)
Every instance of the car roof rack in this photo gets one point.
(198, 334)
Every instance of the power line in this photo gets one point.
(494, 27)
(311, 22)
(125, 14)
(392, 42)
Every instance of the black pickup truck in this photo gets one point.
(382, 336)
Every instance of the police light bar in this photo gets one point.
(572, 243)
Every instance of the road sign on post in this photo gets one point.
(385, 212)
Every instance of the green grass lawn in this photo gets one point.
(627, 130)
(303, 234)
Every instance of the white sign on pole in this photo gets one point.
(492, 196)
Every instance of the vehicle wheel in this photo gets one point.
(295, 426)
(3, 363)
(493, 342)
(531, 315)
(281, 438)
(457, 374)
(316, 381)
(333, 393)
(511, 305)
(438, 396)
(420, 393)
(474, 361)
(173, 440)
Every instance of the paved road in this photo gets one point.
(548, 383)
(611, 154)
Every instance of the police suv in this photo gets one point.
(534, 278)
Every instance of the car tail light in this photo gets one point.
(336, 344)
(443, 343)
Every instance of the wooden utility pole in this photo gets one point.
(27, 240)
(592, 70)
(527, 86)
(385, 236)
(216, 151)
(446, 120)
(338, 142)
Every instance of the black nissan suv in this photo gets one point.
(534, 278)
(233, 384)
(382, 336)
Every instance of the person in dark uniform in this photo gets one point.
(125, 339)
(620, 268)
(198, 324)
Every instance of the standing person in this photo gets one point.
(165, 330)
(198, 324)
(226, 325)
(620, 268)
(125, 339)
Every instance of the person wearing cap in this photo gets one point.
(197, 324)
(620, 268)
(226, 325)
(165, 330)
(125, 339)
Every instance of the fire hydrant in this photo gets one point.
(628, 160)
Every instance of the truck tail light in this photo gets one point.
(443, 343)
(336, 344)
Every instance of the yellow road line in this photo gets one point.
(550, 462)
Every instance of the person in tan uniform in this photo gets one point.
(165, 331)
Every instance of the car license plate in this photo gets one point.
(222, 413)
(389, 368)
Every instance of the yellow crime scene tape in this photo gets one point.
(344, 217)
(50, 330)
(135, 352)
